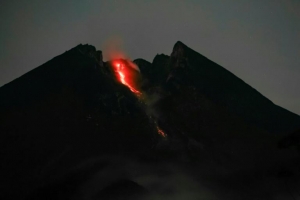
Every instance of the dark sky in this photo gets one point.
(259, 41)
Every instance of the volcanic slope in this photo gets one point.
(186, 67)
(67, 110)
(73, 109)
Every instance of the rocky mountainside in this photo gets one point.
(71, 130)
(64, 111)
(185, 67)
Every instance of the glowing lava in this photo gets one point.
(125, 76)
(127, 73)
(161, 132)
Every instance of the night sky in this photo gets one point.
(259, 41)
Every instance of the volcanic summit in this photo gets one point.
(77, 127)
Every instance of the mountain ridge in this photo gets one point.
(224, 87)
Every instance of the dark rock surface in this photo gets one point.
(225, 89)
(63, 112)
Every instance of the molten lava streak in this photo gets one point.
(125, 76)
(161, 132)
(127, 73)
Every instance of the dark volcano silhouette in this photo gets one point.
(72, 110)
(186, 67)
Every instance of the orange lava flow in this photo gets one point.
(161, 132)
(127, 75)
(124, 77)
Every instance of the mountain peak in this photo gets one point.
(90, 51)
(178, 55)
(179, 43)
(178, 49)
(85, 47)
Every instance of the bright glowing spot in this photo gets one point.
(125, 76)
(161, 132)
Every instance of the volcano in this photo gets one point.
(179, 127)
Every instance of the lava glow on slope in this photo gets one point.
(161, 132)
(126, 75)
